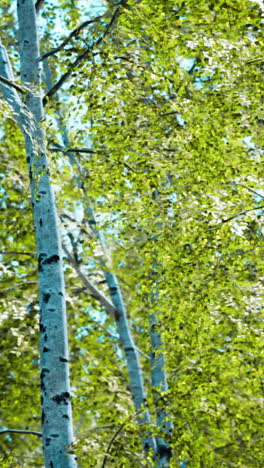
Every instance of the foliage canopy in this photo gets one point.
(165, 104)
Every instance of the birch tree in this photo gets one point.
(54, 367)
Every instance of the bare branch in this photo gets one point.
(241, 214)
(14, 85)
(66, 75)
(104, 301)
(17, 285)
(75, 150)
(17, 431)
(74, 33)
(111, 443)
(110, 24)
(115, 436)
(80, 57)
(2, 252)
(260, 59)
(79, 225)
(246, 187)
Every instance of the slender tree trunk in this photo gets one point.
(159, 382)
(159, 379)
(55, 391)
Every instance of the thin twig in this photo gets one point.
(260, 59)
(65, 76)
(17, 285)
(17, 253)
(74, 33)
(5, 431)
(246, 187)
(75, 150)
(240, 214)
(80, 57)
(79, 225)
(115, 436)
(111, 443)
(108, 27)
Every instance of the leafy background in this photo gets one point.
(170, 104)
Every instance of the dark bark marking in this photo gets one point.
(46, 297)
(65, 416)
(164, 451)
(129, 349)
(45, 337)
(40, 222)
(51, 465)
(40, 261)
(60, 294)
(45, 350)
(54, 435)
(51, 259)
(61, 398)
(113, 290)
(47, 441)
(28, 159)
(43, 373)
(51, 310)
(62, 359)
(42, 328)
(30, 174)
(43, 417)
(43, 192)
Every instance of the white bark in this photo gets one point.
(55, 391)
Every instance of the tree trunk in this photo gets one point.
(55, 389)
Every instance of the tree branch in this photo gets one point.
(107, 453)
(111, 443)
(110, 24)
(246, 187)
(241, 214)
(66, 75)
(14, 85)
(2, 252)
(74, 33)
(260, 59)
(17, 431)
(104, 301)
(80, 57)
(75, 150)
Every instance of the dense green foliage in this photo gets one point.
(170, 104)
